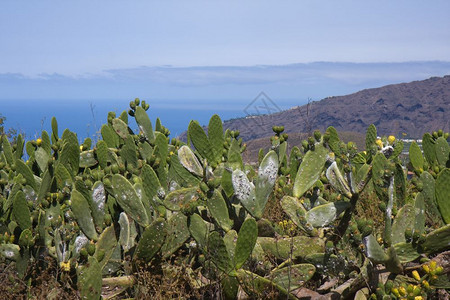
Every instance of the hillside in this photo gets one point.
(412, 108)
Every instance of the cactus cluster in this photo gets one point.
(135, 199)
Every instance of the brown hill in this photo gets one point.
(412, 108)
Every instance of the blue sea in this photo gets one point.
(85, 117)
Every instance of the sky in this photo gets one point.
(78, 38)
(211, 55)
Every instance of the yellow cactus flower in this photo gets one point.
(418, 298)
(402, 291)
(38, 142)
(391, 139)
(426, 268)
(433, 265)
(65, 266)
(379, 142)
(416, 275)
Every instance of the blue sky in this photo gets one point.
(80, 37)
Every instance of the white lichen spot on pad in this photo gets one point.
(243, 188)
(99, 196)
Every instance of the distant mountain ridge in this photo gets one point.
(412, 108)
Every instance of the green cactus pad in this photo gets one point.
(310, 170)
(189, 160)
(151, 241)
(373, 250)
(199, 230)
(127, 198)
(294, 209)
(361, 178)
(128, 153)
(98, 204)
(54, 129)
(90, 280)
(109, 136)
(219, 210)
(415, 156)
(255, 285)
(70, 153)
(406, 252)
(419, 212)
(144, 123)
(82, 213)
(398, 149)
(334, 140)
(325, 214)
(178, 199)
(128, 233)
(121, 128)
(443, 194)
(21, 211)
(150, 182)
(428, 147)
(87, 159)
(10, 251)
(245, 242)
(234, 158)
(102, 153)
(7, 150)
(267, 175)
(177, 234)
(26, 172)
(105, 246)
(18, 153)
(201, 141)
(29, 147)
(293, 277)
(179, 173)
(442, 149)
(326, 263)
(429, 194)
(45, 185)
(217, 251)
(230, 239)
(404, 220)
(216, 138)
(244, 190)
(371, 137)
(296, 247)
(437, 240)
(337, 181)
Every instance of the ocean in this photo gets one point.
(85, 117)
